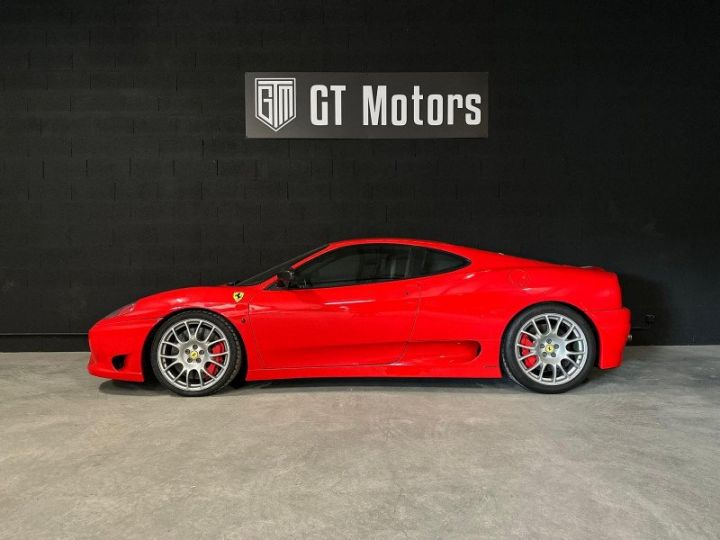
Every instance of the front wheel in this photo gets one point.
(549, 348)
(196, 353)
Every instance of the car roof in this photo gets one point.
(444, 246)
(488, 259)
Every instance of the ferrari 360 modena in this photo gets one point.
(381, 307)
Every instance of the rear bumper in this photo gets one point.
(613, 328)
(122, 340)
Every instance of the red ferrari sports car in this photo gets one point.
(374, 308)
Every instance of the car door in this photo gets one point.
(352, 306)
(445, 333)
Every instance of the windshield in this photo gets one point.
(270, 272)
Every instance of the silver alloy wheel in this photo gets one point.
(551, 349)
(193, 354)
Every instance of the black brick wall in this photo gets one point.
(124, 169)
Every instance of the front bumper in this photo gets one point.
(120, 339)
(613, 328)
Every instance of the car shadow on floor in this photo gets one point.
(328, 385)
(365, 384)
(504, 386)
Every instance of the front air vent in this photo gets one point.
(118, 361)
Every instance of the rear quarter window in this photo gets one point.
(427, 262)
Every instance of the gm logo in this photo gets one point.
(275, 102)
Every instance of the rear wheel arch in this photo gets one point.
(535, 334)
(568, 305)
(147, 371)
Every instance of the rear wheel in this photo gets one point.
(549, 348)
(196, 353)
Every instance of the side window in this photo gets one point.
(354, 265)
(426, 262)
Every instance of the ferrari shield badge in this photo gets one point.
(238, 295)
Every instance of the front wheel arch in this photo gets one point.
(147, 371)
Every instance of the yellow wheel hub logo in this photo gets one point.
(194, 355)
(549, 348)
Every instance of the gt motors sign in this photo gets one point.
(305, 105)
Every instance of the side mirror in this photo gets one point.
(286, 278)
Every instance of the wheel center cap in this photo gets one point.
(194, 355)
(549, 348)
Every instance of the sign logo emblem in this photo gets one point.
(238, 295)
(275, 101)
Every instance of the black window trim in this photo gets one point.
(466, 262)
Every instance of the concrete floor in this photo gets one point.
(635, 453)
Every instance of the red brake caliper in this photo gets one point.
(212, 369)
(530, 361)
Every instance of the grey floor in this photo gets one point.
(635, 453)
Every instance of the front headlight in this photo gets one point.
(121, 311)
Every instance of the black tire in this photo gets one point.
(511, 361)
(233, 358)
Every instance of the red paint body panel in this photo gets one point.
(344, 326)
(444, 325)
(612, 327)
(108, 340)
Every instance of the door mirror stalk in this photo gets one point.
(286, 279)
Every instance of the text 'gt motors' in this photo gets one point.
(435, 109)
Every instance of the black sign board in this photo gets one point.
(305, 105)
